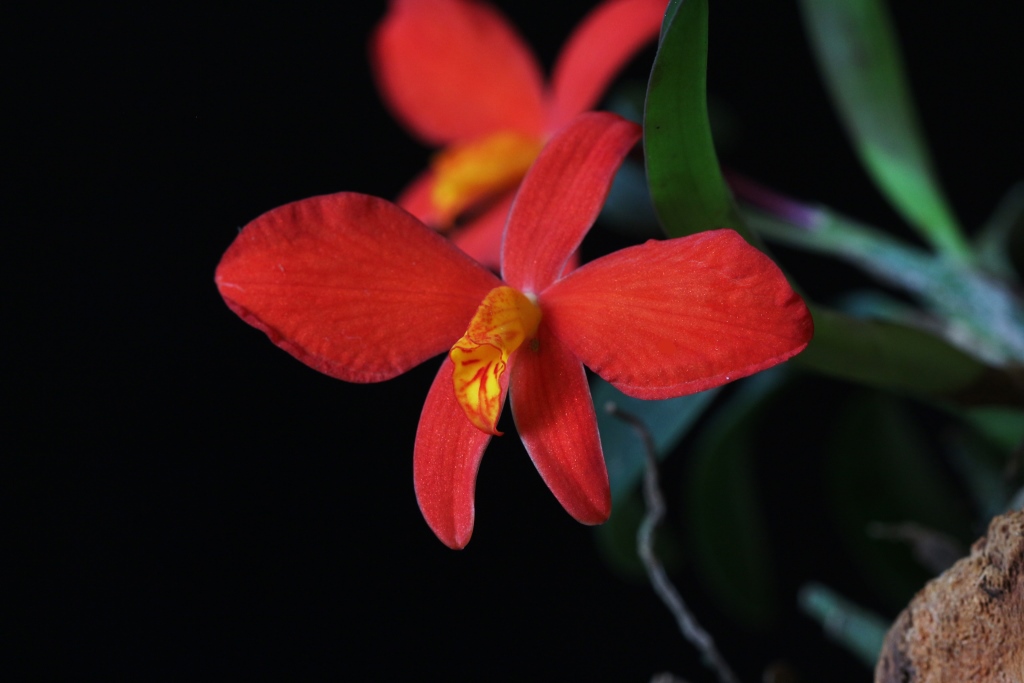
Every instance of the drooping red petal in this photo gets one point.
(555, 418)
(561, 196)
(456, 70)
(668, 318)
(600, 46)
(351, 285)
(445, 462)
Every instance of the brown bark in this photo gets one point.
(967, 625)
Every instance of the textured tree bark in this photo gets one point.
(967, 625)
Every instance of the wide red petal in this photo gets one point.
(352, 285)
(456, 70)
(554, 415)
(446, 461)
(604, 42)
(668, 318)
(561, 196)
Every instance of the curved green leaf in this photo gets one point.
(858, 630)
(881, 473)
(981, 450)
(686, 184)
(981, 314)
(1002, 235)
(859, 57)
(1002, 427)
(903, 359)
(724, 522)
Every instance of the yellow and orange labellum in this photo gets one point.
(468, 173)
(505, 319)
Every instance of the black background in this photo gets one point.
(189, 501)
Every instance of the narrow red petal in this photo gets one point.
(352, 285)
(446, 461)
(455, 70)
(554, 415)
(604, 42)
(679, 316)
(560, 197)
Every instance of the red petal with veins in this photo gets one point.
(605, 41)
(561, 196)
(352, 285)
(554, 415)
(668, 318)
(446, 461)
(456, 70)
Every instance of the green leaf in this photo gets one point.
(979, 313)
(1018, 500)
(903, 359)
(981, 451)
(1002, 427)
(982, 470)
(668, 421)
(877, 305)
(670, 13)
(880, 473)
(860, 60)
(858, 630)
(729, 538)
(686, 184)
(1002, 234)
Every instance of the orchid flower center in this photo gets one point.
(468, 173)
(505, 319)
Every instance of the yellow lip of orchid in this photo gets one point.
(467, 173)
(504, 320)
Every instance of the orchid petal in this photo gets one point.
(504, 320)
(601, 45)
(561, 196)
(554, 415)
(351, 285)
(481, 236)
(456, 70)
(445, 462)
(416, 199)
(469, 174)
(669, 318)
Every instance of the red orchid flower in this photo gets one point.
(457, 75)
(359, 289)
